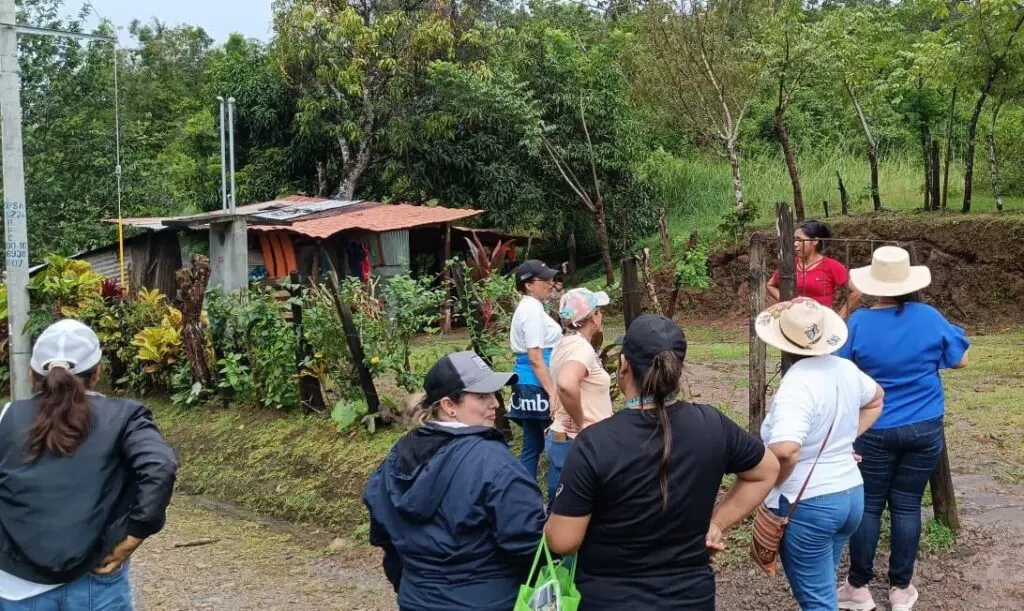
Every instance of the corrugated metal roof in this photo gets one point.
(376, 219)
(151, 223)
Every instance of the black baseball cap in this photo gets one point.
(533, 268)
(463, 372)
(647, 337)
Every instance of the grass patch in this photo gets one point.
(289, 466)
(697, 191)
(936, 537)
(985, 407)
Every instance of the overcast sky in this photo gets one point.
(218, 17)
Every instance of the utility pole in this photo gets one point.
(15, 207)
(231, 152)
(14, 203)
(223, 159)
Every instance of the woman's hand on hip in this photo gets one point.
(118, 556)
(715, 539)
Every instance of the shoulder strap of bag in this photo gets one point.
(4, 411)
(824, 443)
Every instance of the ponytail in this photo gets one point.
(661, 384)
(63, 416)
(418, 412)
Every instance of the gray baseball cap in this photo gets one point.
(463, 372)
(68, 344)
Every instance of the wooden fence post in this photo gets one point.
(310, 393)
(446, 254)
(757, 278)
(941, 482)
(787, 262)
(632, 292)
(571, 273)
(844, 196)
(824, 204)
(355, 344)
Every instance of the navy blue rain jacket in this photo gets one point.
(458, 518)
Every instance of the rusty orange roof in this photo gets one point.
(377, 219)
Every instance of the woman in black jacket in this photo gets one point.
(83, 481)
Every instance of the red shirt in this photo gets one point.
(820, 282)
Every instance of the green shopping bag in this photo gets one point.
(551, 587)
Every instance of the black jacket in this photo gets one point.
(60, 516)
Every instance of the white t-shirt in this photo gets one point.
(532, 327)
(803, 409)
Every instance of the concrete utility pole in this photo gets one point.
(223, 159)
(14, 204)
(15, 207)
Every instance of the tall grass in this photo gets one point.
(697, 191)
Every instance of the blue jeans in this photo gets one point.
(87, 593)
(533, 443)
(555, 451)
(813, 544)
(896, 466)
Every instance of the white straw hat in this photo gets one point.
(802, 326)
(890, 274)
(68, 344)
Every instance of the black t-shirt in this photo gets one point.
(633, 554)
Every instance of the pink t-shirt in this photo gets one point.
(595, 387)
(820, 282)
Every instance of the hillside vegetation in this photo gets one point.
(554, 117)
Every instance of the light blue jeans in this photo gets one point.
(87, 593)
(813, 544)
(555, 451)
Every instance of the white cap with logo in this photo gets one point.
(68, 344)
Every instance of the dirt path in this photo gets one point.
(254, 564)
(270, 565)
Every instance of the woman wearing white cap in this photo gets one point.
(85, 480)
(903, 344)
(823, 403)
(583, 387)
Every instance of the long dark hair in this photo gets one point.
(64, 415)
(816, 230)
(661, 384)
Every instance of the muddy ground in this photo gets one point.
(267, 565)
(259, 563)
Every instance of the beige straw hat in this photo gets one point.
(801, 326)
(890, 274)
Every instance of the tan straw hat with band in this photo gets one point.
(802, 326)
(890, 274)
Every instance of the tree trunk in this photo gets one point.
(935, 175)
(604, 242)
(926, 158)
(791, 167)
(876, 197)
(972, 137)
(353, 173)
(737, 179)
(949, 148)
(972, 130)
(993, 161)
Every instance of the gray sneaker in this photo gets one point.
(903, 599)
(855, 599)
